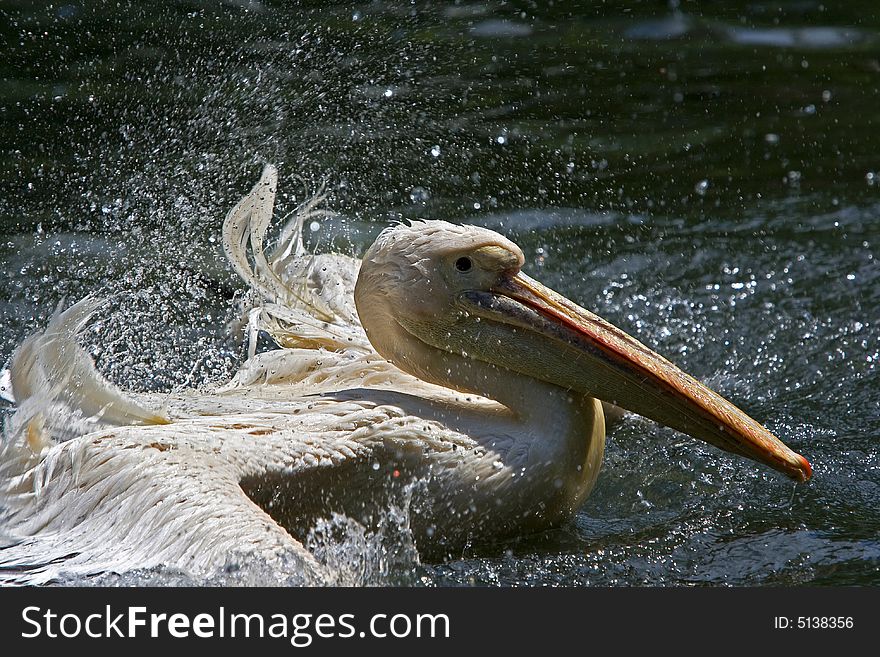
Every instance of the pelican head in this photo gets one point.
(450, 305)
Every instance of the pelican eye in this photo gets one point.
(463, 264)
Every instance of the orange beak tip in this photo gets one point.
(806, 470)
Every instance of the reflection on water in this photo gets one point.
(705, 180)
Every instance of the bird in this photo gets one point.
(432, 374)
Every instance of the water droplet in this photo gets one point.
(497, 465)
(771, 138)
(314, 226)
(419, 195)
(388, 93)
(435, 150)
(702, 187)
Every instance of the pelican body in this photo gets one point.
(433, 373)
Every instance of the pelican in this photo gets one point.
(433, 370)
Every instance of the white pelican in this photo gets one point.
(458, 380)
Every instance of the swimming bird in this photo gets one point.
(433, 370)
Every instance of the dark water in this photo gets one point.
(706, 177)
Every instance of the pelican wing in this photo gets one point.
(171, 494)
(142, 496)
(93, 481)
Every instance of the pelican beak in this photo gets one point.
(625, 372)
